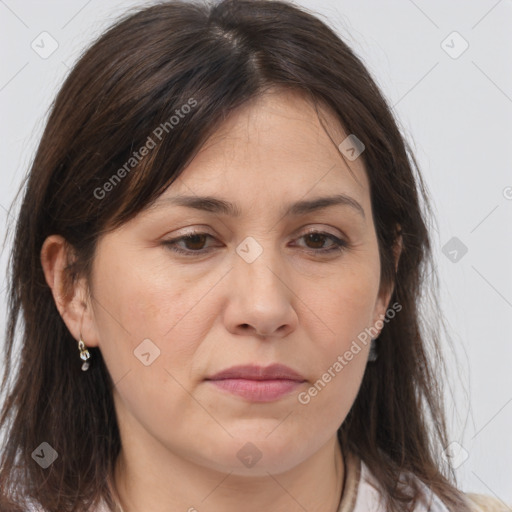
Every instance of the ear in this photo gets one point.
(384, 296)
(71, 296)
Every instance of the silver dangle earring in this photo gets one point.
(372, 357)
(84, 354)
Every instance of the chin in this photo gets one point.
(256, 456)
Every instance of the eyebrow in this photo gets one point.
(220, 206)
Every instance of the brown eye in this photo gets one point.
(317, 239)
(194, 243)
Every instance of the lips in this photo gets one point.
(258, 383)
(254, 372)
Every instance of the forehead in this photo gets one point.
(275, 146)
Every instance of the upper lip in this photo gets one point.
(254, 372)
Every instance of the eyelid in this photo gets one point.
(319, 228)
(339, 244)
(315, 228)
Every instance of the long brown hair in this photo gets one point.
(129, 82)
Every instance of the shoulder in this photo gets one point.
(369, 497)
(482, 503)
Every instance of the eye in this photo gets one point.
(194, 240)
(194, 243)
(319, 237)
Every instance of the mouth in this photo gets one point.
(257, 390)
(257, 383)
(255, 372)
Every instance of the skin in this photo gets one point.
(180, 434)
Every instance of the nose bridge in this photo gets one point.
(256, 264)
(258, 298)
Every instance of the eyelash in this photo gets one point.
(339, 245)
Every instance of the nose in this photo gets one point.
(260, 300)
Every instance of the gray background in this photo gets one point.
(456, 110)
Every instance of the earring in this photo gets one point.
(84, 354)
(373, 351)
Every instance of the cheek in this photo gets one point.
(342, 308)
(149, 332)
(337, 315)
(326, 402)
(340, 363)
(140, 302)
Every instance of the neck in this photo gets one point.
(313, 485)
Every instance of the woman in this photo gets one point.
(218, 260)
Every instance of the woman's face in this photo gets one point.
(251, 289)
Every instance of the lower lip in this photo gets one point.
(258, 390)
